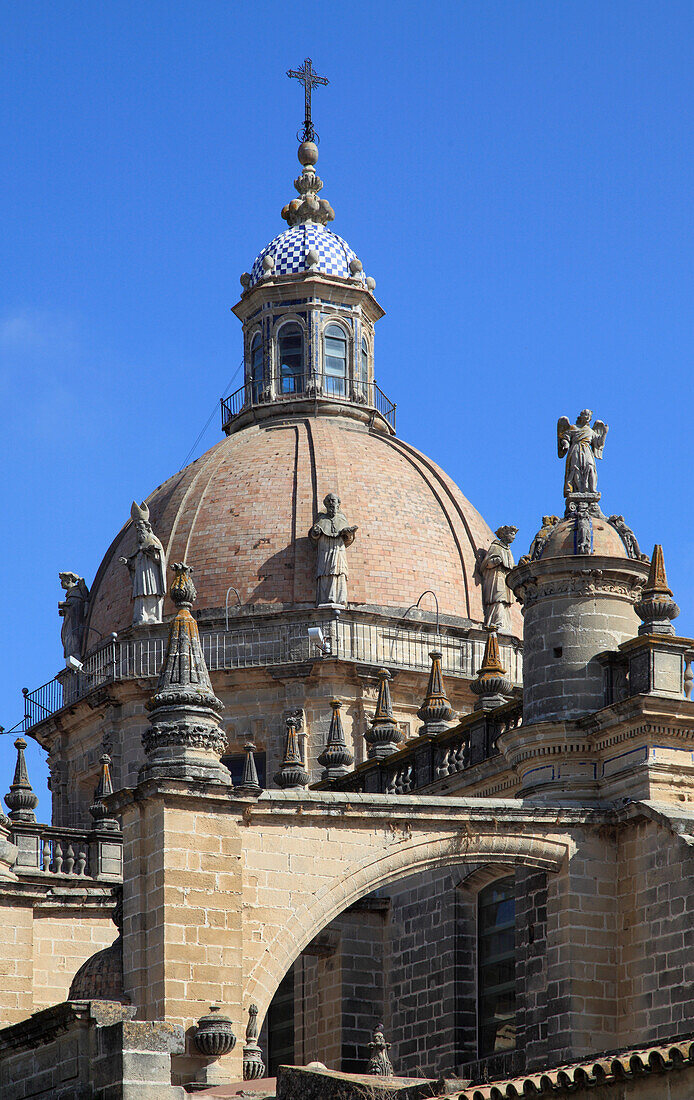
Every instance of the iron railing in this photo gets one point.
(268, 644)
(319, 386)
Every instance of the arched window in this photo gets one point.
(257, 367)
(364, 360)
(291, 356)
(335, 382)
(496, 967)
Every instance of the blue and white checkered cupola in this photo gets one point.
(290, 249)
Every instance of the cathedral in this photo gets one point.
(351, 796)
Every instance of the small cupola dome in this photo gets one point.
(306, 248)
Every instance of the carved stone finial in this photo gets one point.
(147, 567)
(184, 739)
(21, 799)
(182, 590)
(492, 684)
(249, 783)
(436, 711)
(384, 736)
(308, 207)
(213, 1035)
(98, 808)
(335, 757)
(380, 1064)
(331, 534)
(253, 1065)
(581, 444)
(656, 607)
(293, 773)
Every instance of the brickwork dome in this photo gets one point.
(240, 516)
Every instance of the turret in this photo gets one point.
(308, 312)
(578, 585)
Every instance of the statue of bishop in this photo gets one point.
(332, 534)
(147, 568)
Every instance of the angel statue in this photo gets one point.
(147, 568)
(582, 445)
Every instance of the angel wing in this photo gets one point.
(600, 431)
(139, 511)
(563, 425)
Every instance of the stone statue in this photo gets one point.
(380, 1064)
(628, 537)
(147, 568)
(583, 527)
(538, 544)
(73, 610)
(582, 445)
(493, 567)
(332, 534)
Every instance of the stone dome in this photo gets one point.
(100, 978)
(240, 516)
(290, 248)
(607, 541)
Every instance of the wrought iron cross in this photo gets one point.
(310, 80)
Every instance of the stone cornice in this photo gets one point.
(593, 574)
(278, 289)
(45, 1026)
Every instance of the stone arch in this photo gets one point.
(312, 911)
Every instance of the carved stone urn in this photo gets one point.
(213, 1036)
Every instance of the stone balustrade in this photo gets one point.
(48, 850)
(425, 760)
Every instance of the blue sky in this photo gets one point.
(516, 176)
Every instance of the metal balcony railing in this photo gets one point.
(321, 387)
(267, 644)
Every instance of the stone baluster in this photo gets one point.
(81, 861)
(443, 763)
(46, 864)
(69, 859)
(688, 675)
(57, 866)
